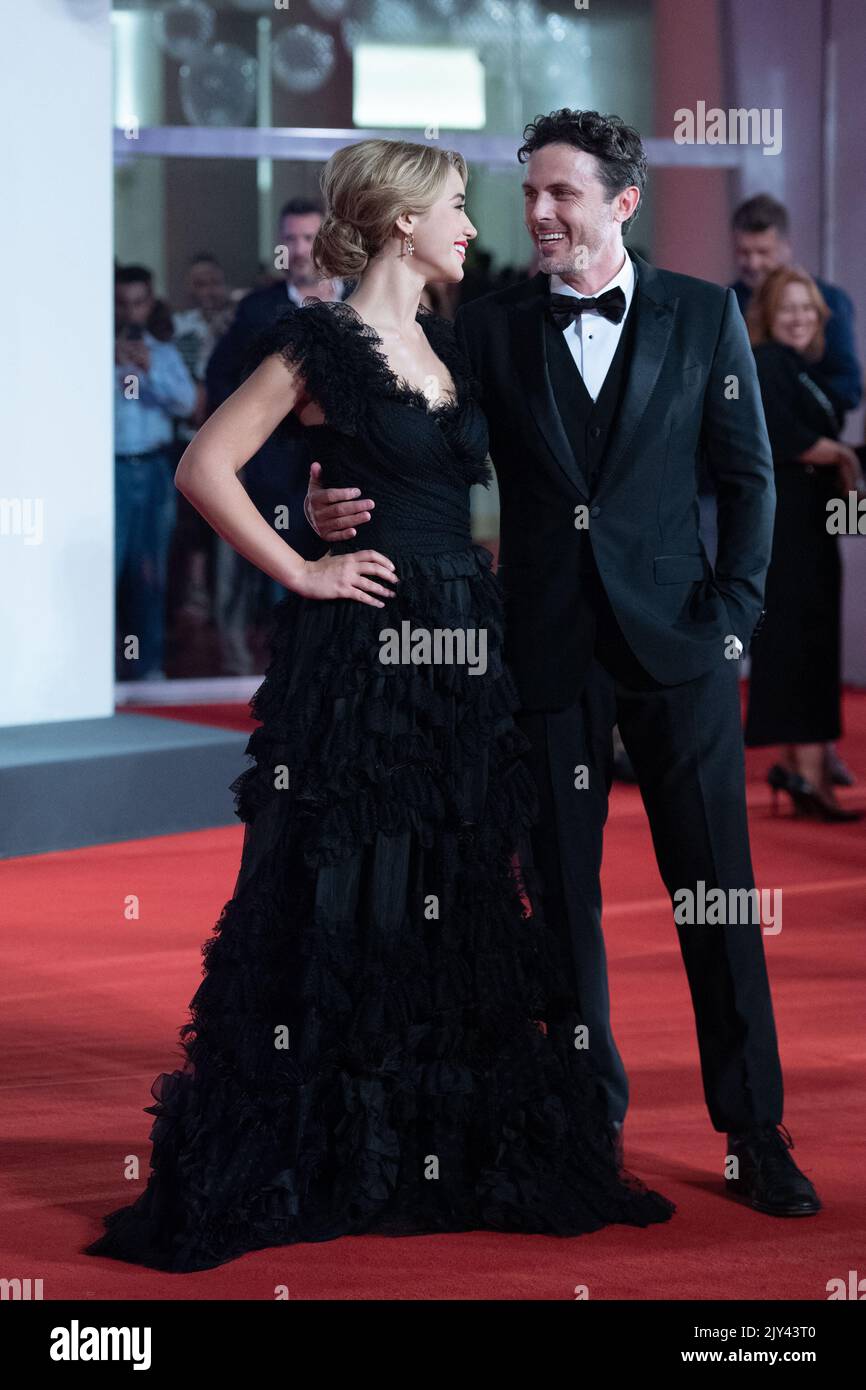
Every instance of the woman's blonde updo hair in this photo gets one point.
(366, 187)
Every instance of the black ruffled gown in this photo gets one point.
(384, 1037)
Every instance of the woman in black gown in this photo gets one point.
(384, 1039)
(795, 680)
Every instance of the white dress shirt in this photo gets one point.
(592, 339)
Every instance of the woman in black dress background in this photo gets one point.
(795, 683)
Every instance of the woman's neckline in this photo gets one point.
(414, 393)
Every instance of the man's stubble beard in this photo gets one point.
(580, 260)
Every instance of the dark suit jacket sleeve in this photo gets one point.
(737, 454)
(223, 375)
(839, 370)
(469, 327)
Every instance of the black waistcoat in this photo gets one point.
(588, 423)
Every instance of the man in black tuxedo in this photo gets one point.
(603, 381)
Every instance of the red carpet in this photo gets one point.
(221, 716)
(92, 1003)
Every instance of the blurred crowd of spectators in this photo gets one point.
(189, 605)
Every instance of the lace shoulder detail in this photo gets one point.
(343, 365)
(335, 365)
(440, 334)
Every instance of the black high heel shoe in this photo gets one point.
(806, 798)
(838, 771)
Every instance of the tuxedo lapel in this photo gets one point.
(533, 378)
(652, 330)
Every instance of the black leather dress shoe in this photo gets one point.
(769, 1179)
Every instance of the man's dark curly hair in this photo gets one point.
(617, 147)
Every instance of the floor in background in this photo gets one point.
(92, 1004)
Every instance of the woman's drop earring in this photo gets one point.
(409, 243)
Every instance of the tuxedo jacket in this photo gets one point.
(689, 392)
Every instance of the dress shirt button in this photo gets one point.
(595, 431)
(595, 511)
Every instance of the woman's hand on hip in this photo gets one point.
(351, 576)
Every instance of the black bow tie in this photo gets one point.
(564, 308)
